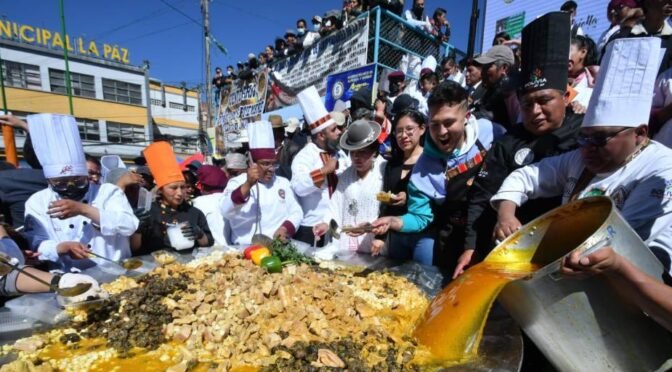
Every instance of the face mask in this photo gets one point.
(301, 31)
(394, 89)
(418, 10)
(316, 27)
(73, 192)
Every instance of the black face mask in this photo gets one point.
(417, 11)
(394, 89)
(72, 192)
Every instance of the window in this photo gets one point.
(82, 85)
(125, 133)
(156, 102)
(185, 145)
(89, 130)
(191, 108)
(123, 92)
(21, 75)
(175, 105)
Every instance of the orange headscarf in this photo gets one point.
(162, 163)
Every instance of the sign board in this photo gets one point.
(55, 40)
(512, 15)
(343, 50)
(342, 85)
(241, 105)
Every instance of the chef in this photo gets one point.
(259, 201)
(67, 220)
(616, 158)
(315, 167)
(437, 193)
(548, 128)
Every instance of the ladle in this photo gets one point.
(127, 264)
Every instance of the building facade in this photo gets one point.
(109, 100)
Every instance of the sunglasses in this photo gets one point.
(598, 140)
(62, 184)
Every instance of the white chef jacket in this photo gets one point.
(209, 205)
(110, 239)
(274, 202)
(314, 200)
(355, 202)
(662, 96)
(641, 190)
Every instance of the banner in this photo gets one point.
(342, 85)
(512, 15)
(243, 104)
(344, 50)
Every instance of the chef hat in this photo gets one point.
(430, 63)
(624, 89)
(163, 164)
(545, 47)
(110, 162)
(57, 145)
(262, 144)
(316, 114)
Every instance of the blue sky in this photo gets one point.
(172, 42)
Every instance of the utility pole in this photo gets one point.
(475, 12)
(68, 85)
(149, 128)
(208, 81)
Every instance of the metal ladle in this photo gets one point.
(262, 240)
(77, 290)
(127, 264)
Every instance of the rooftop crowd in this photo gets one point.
(436, 170)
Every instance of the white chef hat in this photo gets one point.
(110, 162)
(430, 63)
(262, 144)
(623, 92)
(317, 117)
(57, 145)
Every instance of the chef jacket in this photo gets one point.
(516, 149)
(641, 190)
(110, 239)
(354, 202)
(273, 204)
(209, 205)
(313, 199)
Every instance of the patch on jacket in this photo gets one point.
(524, 156)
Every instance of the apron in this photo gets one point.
(450, 218)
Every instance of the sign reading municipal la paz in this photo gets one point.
(55, 40)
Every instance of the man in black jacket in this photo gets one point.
(549, 128)
(495, 65)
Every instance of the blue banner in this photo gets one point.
(342, 85)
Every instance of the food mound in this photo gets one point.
(223, 313)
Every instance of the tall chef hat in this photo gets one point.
(430, 63)
(624, 89)
(262, 144)
(545, 47)
(317, 117)
(57, 145)
(162, 163)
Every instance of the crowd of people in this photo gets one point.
(435, 170)
(296, 40)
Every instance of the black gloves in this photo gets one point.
(192, 231)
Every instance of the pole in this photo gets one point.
(68, 86)
(472, 28)
(208, 80)
(149, 128)
(7, 131)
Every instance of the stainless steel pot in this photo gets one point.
(582, 325)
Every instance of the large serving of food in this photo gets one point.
(225, 312)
